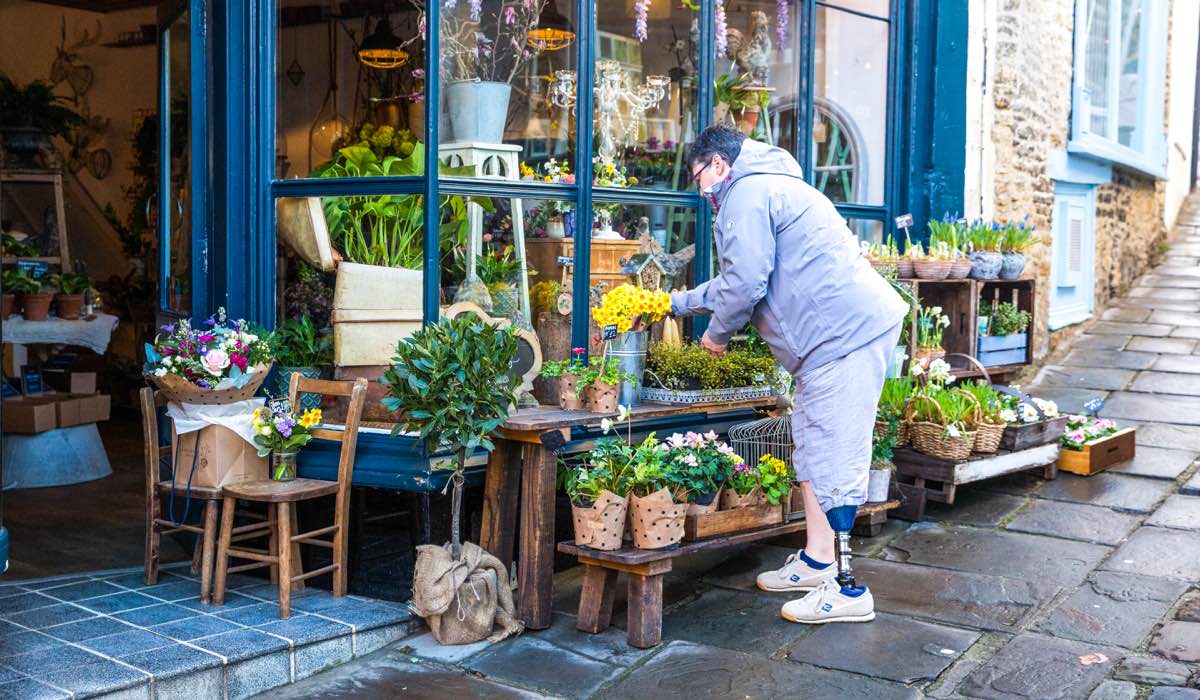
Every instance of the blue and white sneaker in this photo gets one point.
(829, 602)
(799, 573)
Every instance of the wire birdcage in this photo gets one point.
(771, 435)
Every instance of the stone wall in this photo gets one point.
(1029, 63)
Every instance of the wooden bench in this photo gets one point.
(646, 568)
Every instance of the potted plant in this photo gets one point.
(949, 237)
(500, 271)
(906, 263)
(687, 374)
(1090, 445)
(742, 489)
(657, 504)
(736, 102)
(1006, 339)
(700, 465)
(598, 488)
(280, 432)
(31, 115)
(600, 384)
(35, 296)
(1017, 239)
(1029, 421)
(931, 325)
(14, 283)
(938, 261)
(984, 239)
(879, 478)
(300, 349)
(892, 401)
(483, 51)
(775, 477)
(629, 311)
(568, 374)
(71, 287)
(225, 362)
(989, 426)
(938, 424)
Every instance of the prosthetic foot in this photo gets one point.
(840, 599)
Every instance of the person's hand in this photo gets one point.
(711, 347)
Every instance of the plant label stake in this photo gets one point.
(280, 405)
(904, 221)
(609, 332)
(1092, 408)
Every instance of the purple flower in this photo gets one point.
(510, 15)
(476, 7)
(781, 21)
(168, 329)
(418, 74)
(203, 384)
(641, 10)
(721, 36)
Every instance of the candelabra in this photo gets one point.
(618, 105)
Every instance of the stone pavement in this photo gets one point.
(1077, 588)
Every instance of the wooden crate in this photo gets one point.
(724, 522)
(940, 478)
(959, 301)
(1021, 293)
(997, 350)
(1098, 455)
(1027, 435)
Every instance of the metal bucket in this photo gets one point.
(630, 351)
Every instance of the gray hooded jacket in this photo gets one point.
(791, 265)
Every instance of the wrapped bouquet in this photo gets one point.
(224, 362)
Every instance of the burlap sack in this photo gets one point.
(695, 508)
(463, 600)
(657, 520)
(730, 500)
(601, 524)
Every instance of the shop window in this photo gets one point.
(177, 211)
(850, 85)
(867, 230)
(1120, 75)
(351, 78)
(757, 71)
(501, 64)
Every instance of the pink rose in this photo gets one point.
(215, 361)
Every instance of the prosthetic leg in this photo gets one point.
(841, 519)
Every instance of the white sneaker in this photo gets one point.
(795, 575)
(827, 603)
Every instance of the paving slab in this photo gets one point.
(1126, 314)
(1152, 670)
(1068, 400)
(1156, 463)
(1134, 329)
(954, 597)
(1182, 364)
(392, 674)
(976, 507)
(1173, 280)
(1099, 341)
(1167, 383)
(1174, 693)
(1173, 346)
(1037, 667)
(1114, 690)
(1189, 610)
(1009, 554)
(1110, 358)
(1186, 332)
(1160, 408)
(534, 663)
(1083, 377)
(892, 647)
(1148, 303)
(1192, 486)
(1156, 551)
(1112, 608)
(737, 620)
(1074, 521)
(1165, 294)
(740, 571)
(1183, 437)
(1125, 493)
(1178, 641)
(1177, 318)
(694, 671)
(608, 646)
(1019, 484)
(1178, 511)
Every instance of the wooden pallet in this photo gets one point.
(939, 478)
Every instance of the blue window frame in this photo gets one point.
(1119, 83)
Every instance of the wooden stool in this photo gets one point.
(644, 607)
(284, 553)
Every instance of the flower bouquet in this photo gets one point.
(629, 311)
(1091, 445)
(223, 363)
(281, 433)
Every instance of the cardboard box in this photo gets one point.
(29, 416)
(94, 408)
(224, 458)
(70, 381)
(67, 409)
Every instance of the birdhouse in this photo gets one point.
(644, 270)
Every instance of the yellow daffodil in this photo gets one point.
(311, 417)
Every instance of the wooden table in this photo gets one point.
(524, 466)
(923, 478)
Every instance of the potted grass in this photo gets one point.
(989, 426)
(1017, 239)
(68, 303)
(939, 424)
(879, 478)
(892, 400)
(1006, 340)
(931, 327)
(300, 349)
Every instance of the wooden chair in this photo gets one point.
(282, 495)
(156, 526)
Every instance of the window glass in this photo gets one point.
(1130, 107)
(179, 200)
(878, 8)
(867, 230)
(648, 245)
(351, 78)
(644, 104)
(1095, 86)
(850, 107)
(758, 44)
(500, 62)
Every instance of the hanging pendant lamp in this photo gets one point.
(553, 31)
(382, 48)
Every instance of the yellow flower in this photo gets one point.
(311, 417)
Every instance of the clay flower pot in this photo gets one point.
(904, 268)
(68, 306)
(601, 397)
(959, 269)
(657, 520)
(927, 355)
(601, 524)
(37, 306)
(10, 302)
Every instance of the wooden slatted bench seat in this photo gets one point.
(646, 568)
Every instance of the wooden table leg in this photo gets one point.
(500, 493)
(596, 599)
(535, 570)
(1050, 473)
(208, 543)
(645, 610)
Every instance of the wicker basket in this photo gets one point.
(901, 432)
(904, 268)
(180, 390)
(883, 267)
(932, 269)
(931, 438)
(987, 435)
(959, 269)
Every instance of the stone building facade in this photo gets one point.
(1023, 85)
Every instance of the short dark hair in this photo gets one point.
(724, 141)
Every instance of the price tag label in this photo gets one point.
(904, 221)
(1093, 407)
(31, 382)
(609, 332)
(566, 261)
(35, 268)
(280, 405)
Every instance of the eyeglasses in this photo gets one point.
(698, 173)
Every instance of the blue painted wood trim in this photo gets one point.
(199, 144)
(381, 461)
(1064, 166)
(703, 262)
(585, 60)
(262, 215)
(433, 213)
(946, 180)
(162, 228)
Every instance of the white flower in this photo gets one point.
(724, 449)
(168, 360)
(265, 430)
(1029, 414)
(952, 430)
(623, 413)
(675, 441)
(606, 425)
(944, 321)
(1008, 416)
(937, 310)
(939, 371)
(711, 436)
(690, 460)
(1048, 407)
(160, 372)
(917, 369)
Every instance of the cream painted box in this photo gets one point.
(374, 308)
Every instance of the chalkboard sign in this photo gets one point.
(280, 405)
(904, 221)
(31, 382)
(609, 331)
(35, 268)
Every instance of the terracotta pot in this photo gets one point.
(10, 301)
(601, 524)
(931, 269)
(601, 397)
(747, 119)
(928, 355)
(959, 269)
(904, 268)
(68, 306)
(657, 520)
(37, 306)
